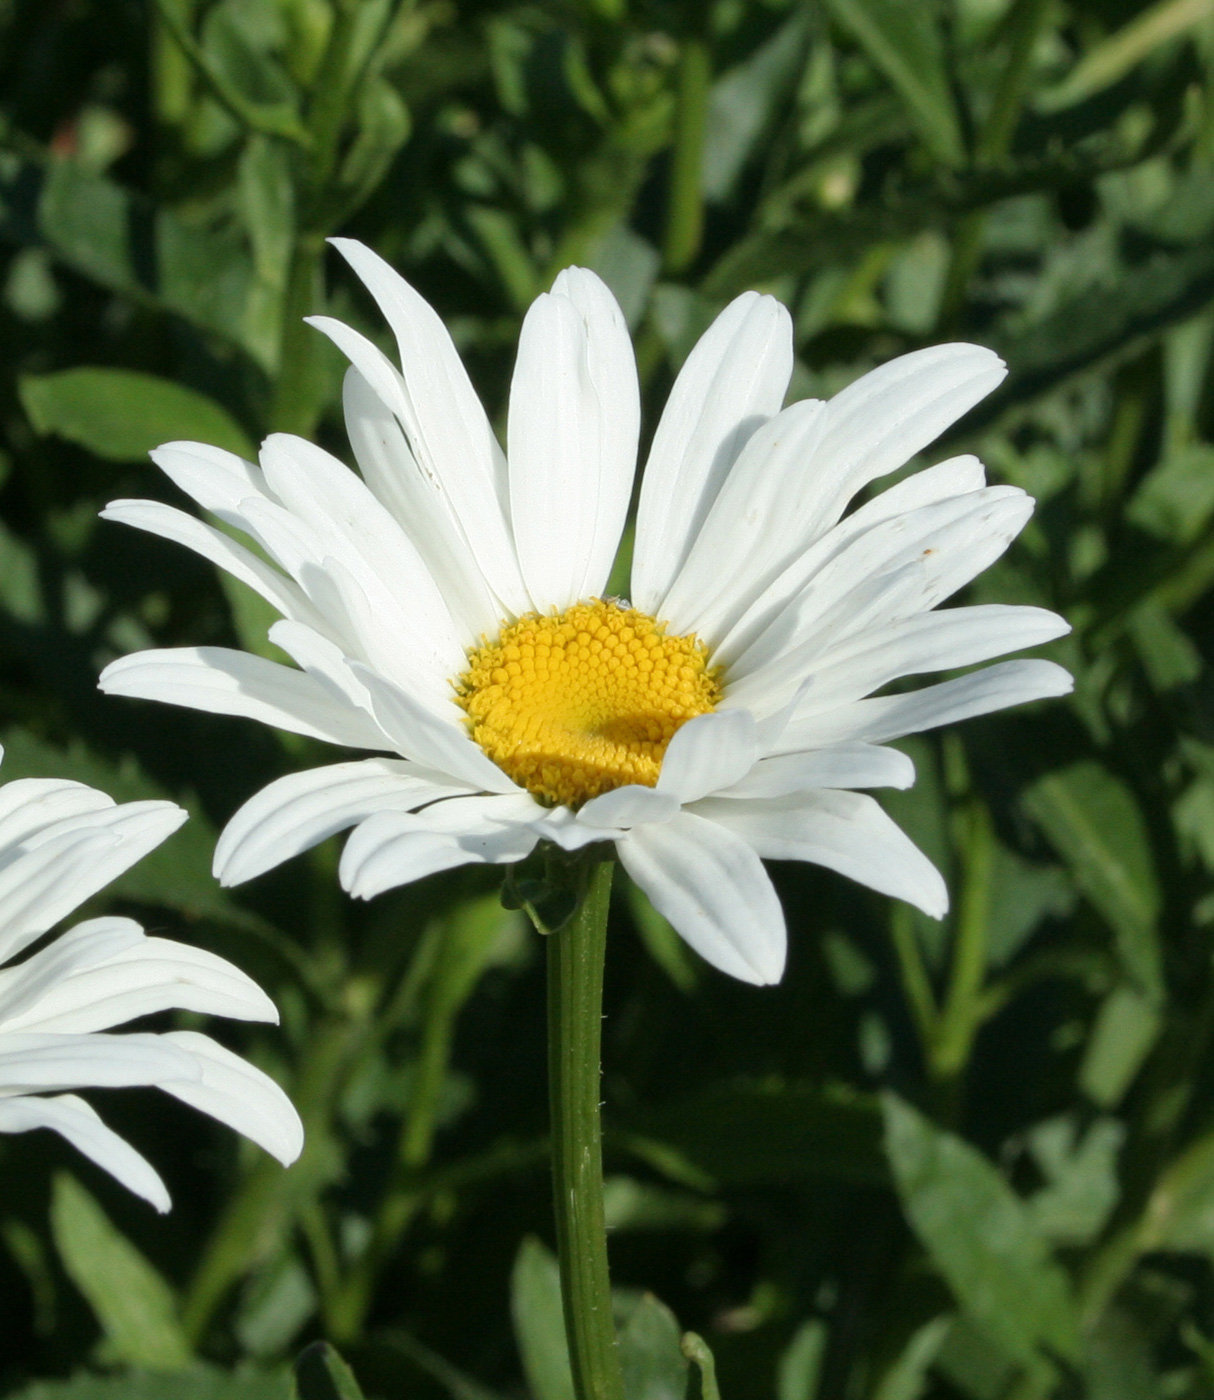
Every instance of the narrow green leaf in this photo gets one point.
(907, 1378)
(121, 415)
(1122, 51)
(904, 43)
(651, 1362)
(539, 1322)
(800, 1366)
(1093, 821)
(135, 1306)
(321, 1374)
(981, 1236)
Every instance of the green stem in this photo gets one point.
(575, 1021)
(960, 1019)
(685, 217)
(296, 404)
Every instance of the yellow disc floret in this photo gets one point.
(580, 702)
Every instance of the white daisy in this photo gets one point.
(447, 607)
(61, 842)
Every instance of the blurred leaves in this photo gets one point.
(121, 415)
(984, 1240)
(137, 1309)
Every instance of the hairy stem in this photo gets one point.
(575, 1001)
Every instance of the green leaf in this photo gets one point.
(1180, 1213)
(800, 1366)
(1093, 822)
(1127, 1026)
(742, 1133)
(121, 415)
(903, 41)
(137, 1309)
(1081, 1177)
(907, 1378)
(652, 1364)
(1176, 498)
(177, 874)
(196, 1383)
(1114, 57)
(477, 935)
(981, 1236)
(742, 103)
(629, 1204)
(321, 1374)
(123, 242)
(539, 1322)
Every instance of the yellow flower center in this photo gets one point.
(580, 702)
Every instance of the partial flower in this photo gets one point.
(61, 842)
(447, 608)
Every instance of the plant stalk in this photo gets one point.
(575, 1015)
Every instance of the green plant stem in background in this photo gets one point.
(575, 1016)
(685, 215)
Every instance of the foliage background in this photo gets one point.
(967, 1160)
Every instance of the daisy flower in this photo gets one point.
(447, 608)
(61, 842)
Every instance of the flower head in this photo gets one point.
(449, 608)
(61, 842)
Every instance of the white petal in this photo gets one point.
(443, 746)
(171, 524)
(32, 805)
(83, 946)
(573, 425)
(44, 880)
(709, 752)
(392, 472)
(844, 831)
(755, 528)
(887, 416)
(932, 641)
(32, 1061)
(329, 499)
(627, 806)
(324, 661)
(236, 1093)
(442, 417)
(613, 375)
(216, 479)
(156, 974)
(396, 848)
(714, 890)
(957, 477)
(227, 682)
(566, 829)
(78, 1122)
(732, 382)
(890, 716)
(898, 568)
(843, 766)
(294, 813)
